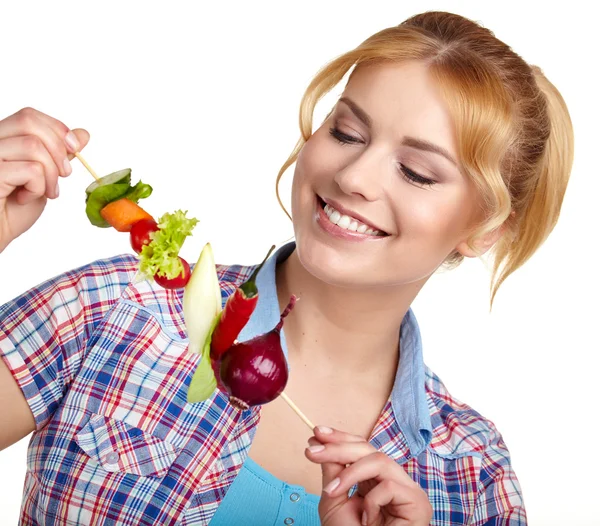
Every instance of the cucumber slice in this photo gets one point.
(121, 177)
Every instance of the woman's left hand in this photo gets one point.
(386, 494)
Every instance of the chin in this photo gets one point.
(325, 263)
(333, 257)
(336, 267)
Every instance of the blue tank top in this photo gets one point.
(257, 498)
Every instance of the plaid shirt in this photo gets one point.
(103, 365)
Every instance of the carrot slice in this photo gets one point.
(123, 213)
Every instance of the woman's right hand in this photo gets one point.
(35, 150)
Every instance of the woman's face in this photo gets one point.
(397, 204)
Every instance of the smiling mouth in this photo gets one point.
(348, 222)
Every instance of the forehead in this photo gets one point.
(402, 100)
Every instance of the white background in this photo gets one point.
(201, 101)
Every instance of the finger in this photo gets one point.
(410, 507)
(83, 137)
(312, 441)
(327, 434)
(340, 453)
(31, 148)
(24, 196)
(384, 494)
(327, 503)
(75, 139)
(58, 127)
(376, 466)
(26, 177)
(51, 132)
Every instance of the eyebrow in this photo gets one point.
(411, 142)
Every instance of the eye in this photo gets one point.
(415, 178)
(407, 173)
(342, 138)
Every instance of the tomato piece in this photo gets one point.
(140, 233)
(178, 282)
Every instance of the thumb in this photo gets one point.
(83, 137)
(327, 504)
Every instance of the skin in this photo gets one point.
(354, 295)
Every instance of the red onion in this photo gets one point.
(255, 372)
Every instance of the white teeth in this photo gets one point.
(348, 223)
(344, 222)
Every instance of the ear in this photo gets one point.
(483, 244)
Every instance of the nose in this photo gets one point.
(362, 176)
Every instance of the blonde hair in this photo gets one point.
(514, 133)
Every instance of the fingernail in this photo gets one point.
(325, 430)
(316, 449)
(57, 190)
(331, 486)
(363, 520)
(67, 167)
(72, 141)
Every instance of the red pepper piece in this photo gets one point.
(236, 313)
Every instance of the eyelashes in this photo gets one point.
(406, 172)
(415, 177)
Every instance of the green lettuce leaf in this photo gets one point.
(139, 191)
(160, 256)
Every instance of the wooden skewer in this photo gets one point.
(89, 168)
(302, 416)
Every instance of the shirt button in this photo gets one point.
(294, 497)
(288, 521)
(112, 458)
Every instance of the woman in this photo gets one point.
(445, 144)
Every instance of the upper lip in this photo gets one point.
(346, 211)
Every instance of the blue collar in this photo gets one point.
(409, 400)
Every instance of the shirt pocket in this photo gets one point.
(120, 447)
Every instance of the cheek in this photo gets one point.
(440, 217)
(318, 157)
(311, 168)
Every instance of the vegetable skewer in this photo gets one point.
(124, 215)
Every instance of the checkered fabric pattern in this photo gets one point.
(102, 362)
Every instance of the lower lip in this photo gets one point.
(338, 232)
